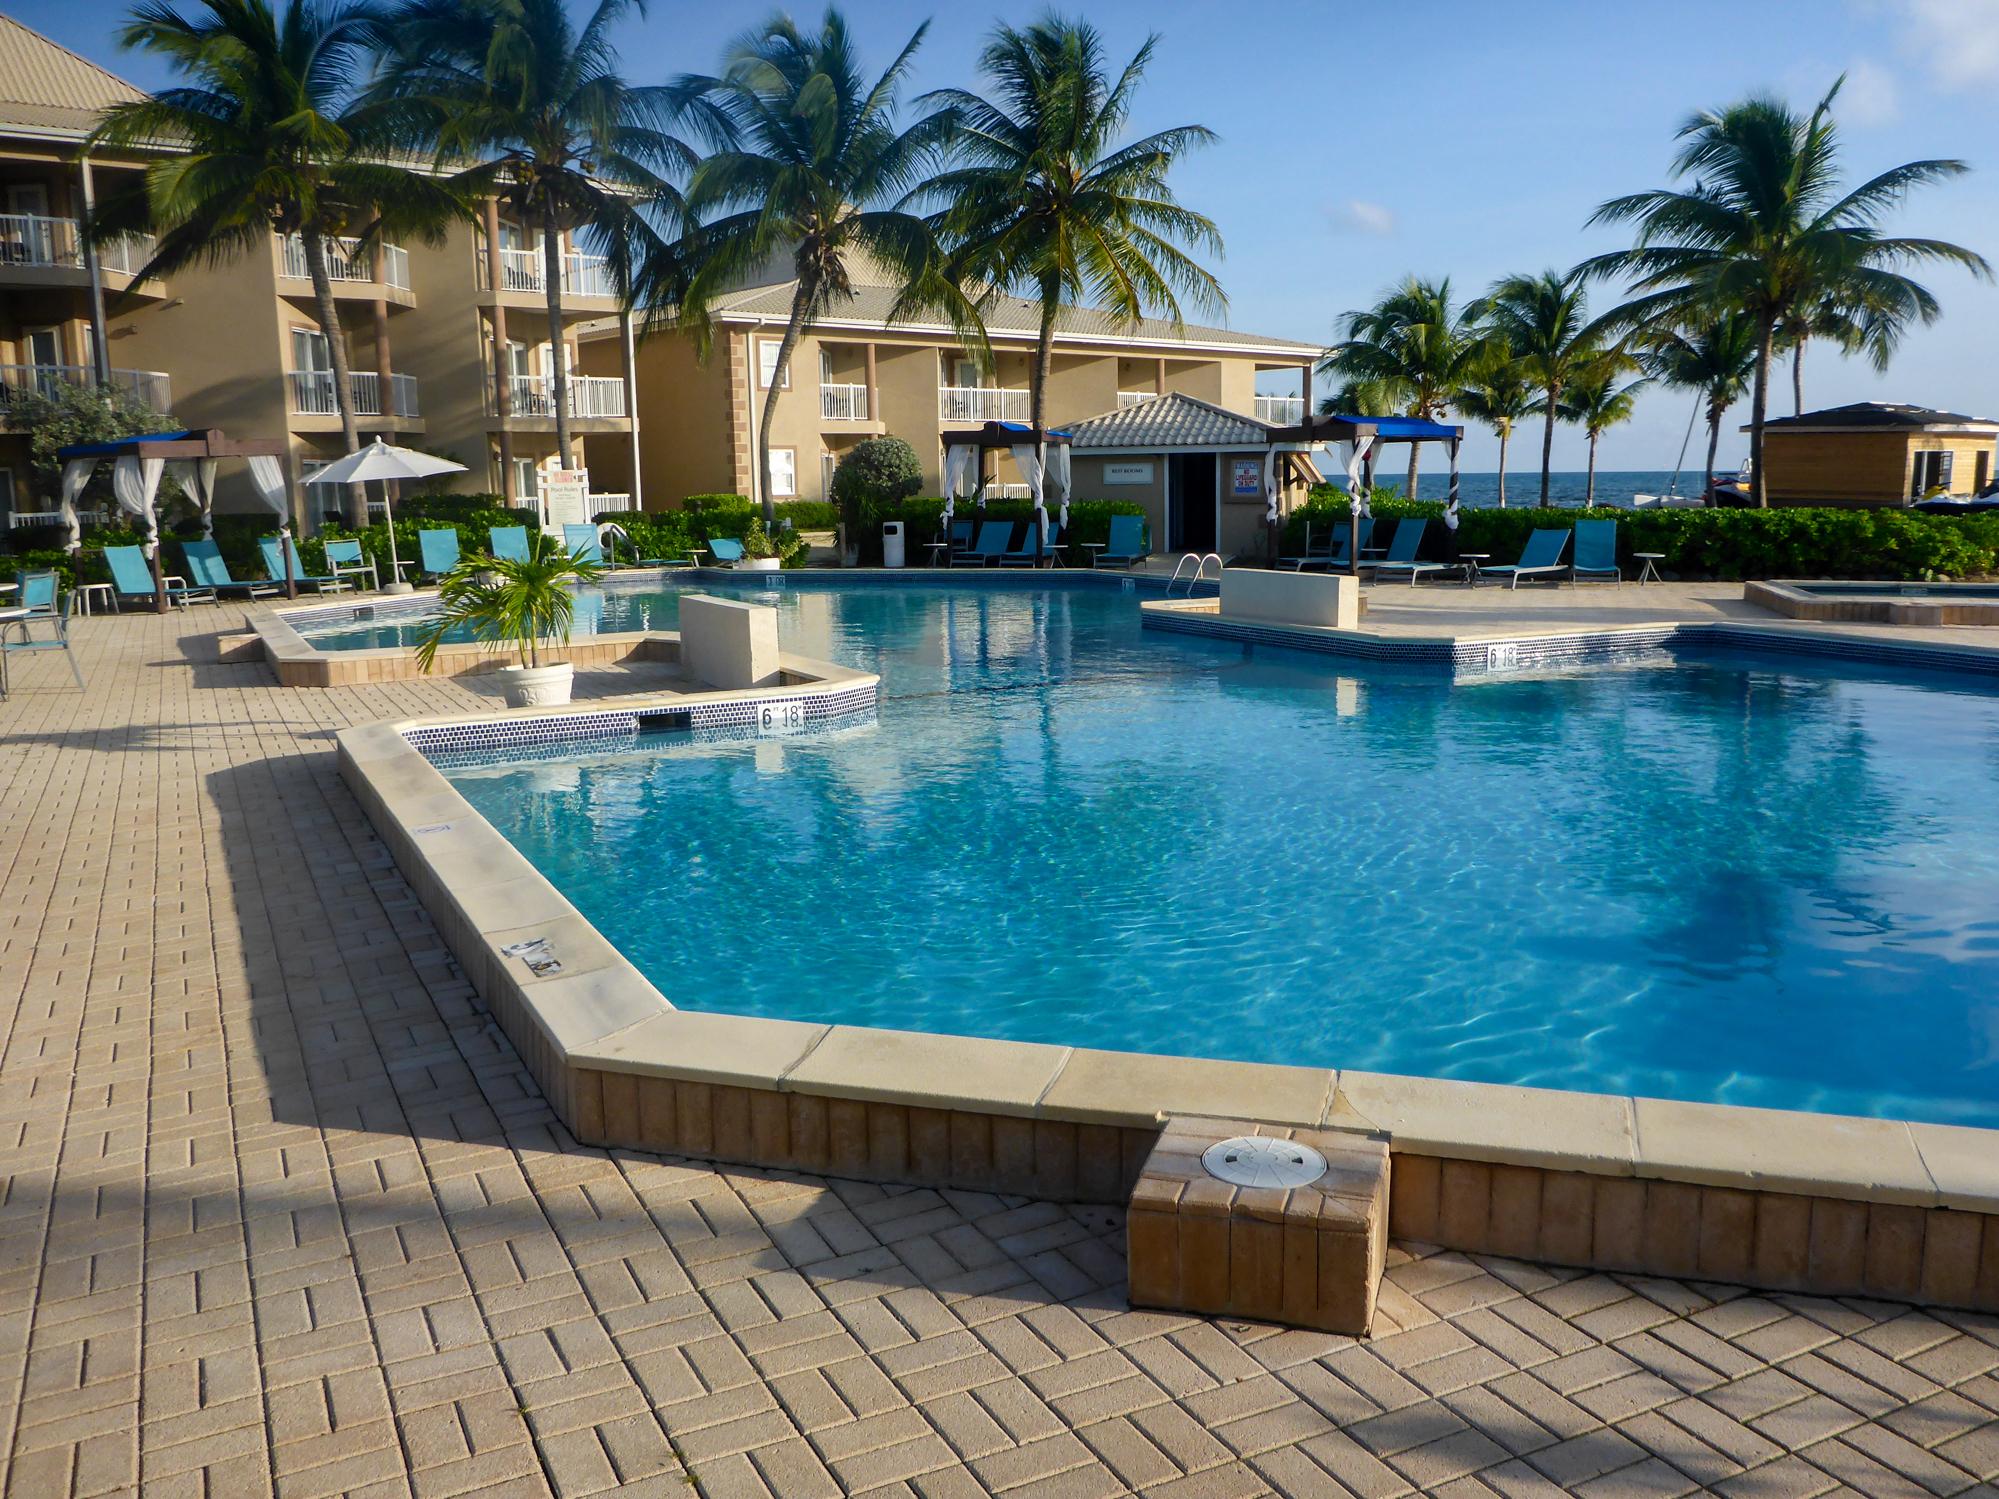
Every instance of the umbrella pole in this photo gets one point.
(395, 583)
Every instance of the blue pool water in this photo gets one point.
(1714, 877)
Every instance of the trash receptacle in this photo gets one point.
(892, 555)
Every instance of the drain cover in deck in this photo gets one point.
(1263, 1161)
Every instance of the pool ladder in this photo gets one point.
(1199, 574)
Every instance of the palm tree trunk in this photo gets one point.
(1504, 433)
(1548, 441)
(1759, 411)
(1415, 458)
(801, 299)
(1714, 415)
(1798, 378)
(551, 279)
(1589, 490)
(1044, 364)
(314, 244)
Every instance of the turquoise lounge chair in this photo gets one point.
(345, 559)
(274, 567)
(726, 550)
(509, 543)
(1596, 551)
(1541, 556)
(42, 603)
(1023, 555)
(995, 538)
(206, 567)
(1402, 551)
(132, 578)
(439, 550)
(961, 538)
(581, 541)
(1127, 543)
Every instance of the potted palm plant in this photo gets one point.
(502, 600)
(760, 555)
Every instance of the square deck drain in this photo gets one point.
(1308, 1254)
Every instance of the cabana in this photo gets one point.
(1359, 440)
(966, 450)
(139, 462)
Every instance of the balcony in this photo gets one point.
(591, 397)
(979, 403)
(312, 394)
(348, 261)
(32, 239)
(843, 403)
(1285, 411)
(521, 270)
(48, 380)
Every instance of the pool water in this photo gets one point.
(1711, 877)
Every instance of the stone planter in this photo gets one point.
(537, 686)
(760, 564)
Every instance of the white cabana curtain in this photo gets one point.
(267, 477)
(1029, 463)
(956, 461)
(75, 475)
(197, 477)
(1354, 461)
(1058, 477)
(136, 481)
(1270, 487)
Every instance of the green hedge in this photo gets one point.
(1731, 545)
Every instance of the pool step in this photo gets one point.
(1303, 1246)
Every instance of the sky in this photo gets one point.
(1359, 144)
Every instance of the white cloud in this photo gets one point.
(1955, 43)
(1357, 216)
(1869, 96)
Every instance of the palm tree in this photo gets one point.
(275, 141)
(1542, 319)
(821, 174)
(533, 110)
(1498, 391)
(1411, 349)
(1596, 402)
(1716, 357)
(1767, 228)
(1042, 198)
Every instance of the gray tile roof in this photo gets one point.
(1168, 421)
(48, 88)
(871, 305)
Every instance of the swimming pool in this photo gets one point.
(1706, 876)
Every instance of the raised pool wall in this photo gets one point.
(1832, 602)
(1774, 1199)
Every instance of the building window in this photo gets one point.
(1932, 471)
(525, 474)
(767, 349)
(783, 473)
(310, 350)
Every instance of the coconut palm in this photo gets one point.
(532, 109)
(1042, 197)
(275, 140)
(1716, 357)
(1498, 391)
(1767, 227)
(1412, 349)
(1594, 401)
(1543, 319)
(820, 175)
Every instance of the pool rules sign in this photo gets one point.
(565, 498)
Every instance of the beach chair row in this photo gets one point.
(1546, 555)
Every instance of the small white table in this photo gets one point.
(1649, 573)
(1471, 561)
(104, 591)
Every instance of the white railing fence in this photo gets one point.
(600, 503)
(1287, 410)
(521, 270)
(37, 239)
(978, 403)
(843, 403)
(312, 393)
(589, 396)
(348, 260)
(46, 380)
(1126, 399)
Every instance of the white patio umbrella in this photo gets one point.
(381, 460)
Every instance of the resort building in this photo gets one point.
(54, 290)
(1873, 453)
(448, 346)
(855, 374)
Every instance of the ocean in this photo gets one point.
(1523, 487)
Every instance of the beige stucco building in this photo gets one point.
(857, 373)
(448, 346)
(1876, 454)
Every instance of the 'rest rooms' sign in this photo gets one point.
(1127, 473)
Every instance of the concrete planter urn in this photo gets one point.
(537, 686)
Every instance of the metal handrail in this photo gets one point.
(1200, 561)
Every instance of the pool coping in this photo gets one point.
(623, 1066)
(1873, 603)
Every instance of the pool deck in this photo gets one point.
(284, 1213)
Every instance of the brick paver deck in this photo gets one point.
(281, 1211)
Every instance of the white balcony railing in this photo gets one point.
(589, 396)
(1126, 399)
(843, 403)
(979, 403)
(312, 393)
(47, 380)
(520, 270)
(36, 239)
(1284, 410)
(601, 503)
(349, 260)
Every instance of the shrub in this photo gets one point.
(872, 477)
(732, 504)
(809, 515)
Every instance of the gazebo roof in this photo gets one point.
(1335, 428)
(185, 443)
(1000, 435)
